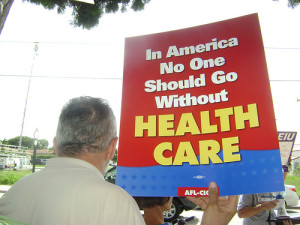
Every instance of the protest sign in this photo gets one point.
(286, 144)
(197, 107)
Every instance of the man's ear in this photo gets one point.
(112, 148)
(55, 146)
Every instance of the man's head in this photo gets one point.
(85, 124)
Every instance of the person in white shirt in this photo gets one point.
(71, 188)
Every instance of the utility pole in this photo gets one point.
(36, 48)
(35, 142)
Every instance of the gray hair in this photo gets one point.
(85, 123)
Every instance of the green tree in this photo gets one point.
(4, 142)
(42, 144)
(291, 3)
(294, 3)
(26, 141)
(87, 15)
(13, 141)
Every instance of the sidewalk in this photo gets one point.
(3, 189)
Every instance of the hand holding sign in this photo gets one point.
(217, 210)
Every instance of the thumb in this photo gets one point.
(213, 193)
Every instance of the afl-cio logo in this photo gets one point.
(193, 191)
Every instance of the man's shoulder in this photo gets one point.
(27, 180)
(96, 184)
(103, 193)
(108, 188)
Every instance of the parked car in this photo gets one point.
(111, 175)
(178, 205)
(43, 161)
(291, 196)
(39, 161)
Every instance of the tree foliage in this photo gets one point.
(291, 3)
(87, 15)
(294, 3)
(4, 142)
(28, 142)
(42, 144)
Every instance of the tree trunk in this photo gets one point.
(4, 10)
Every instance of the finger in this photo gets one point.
(205, 199)
(233, 200)
(201, 202)
(213, 193)
(230, 204)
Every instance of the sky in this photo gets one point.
(72, 62)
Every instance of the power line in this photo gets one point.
(61, 77)
(56, 42)
(278, 48)
(106, 43)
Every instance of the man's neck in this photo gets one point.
(98, 159)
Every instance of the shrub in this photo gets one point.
(11, 177)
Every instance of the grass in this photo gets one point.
(293, 180)
(10, 177)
